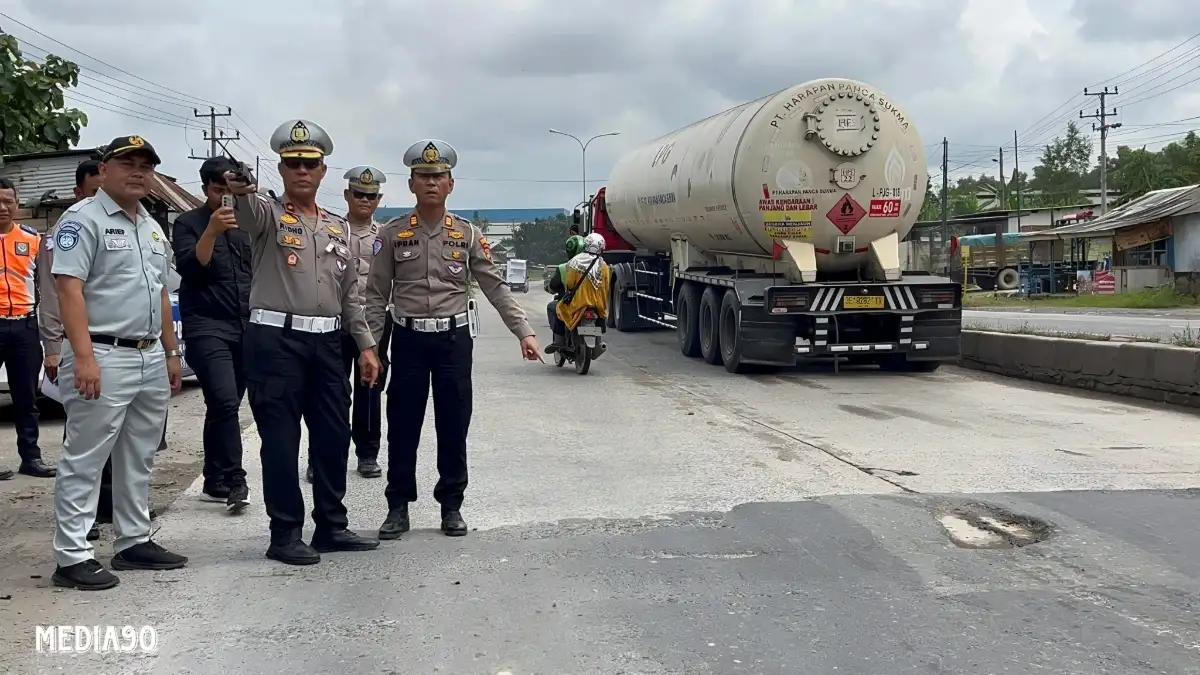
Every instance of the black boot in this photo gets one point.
(559, 342)
(293, 552)
(453, 524)
(368, 467)
(37, 468)
(342, 540)
(395, 524)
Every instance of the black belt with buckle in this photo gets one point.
(123, 342)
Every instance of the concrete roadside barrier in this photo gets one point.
(1143, 370)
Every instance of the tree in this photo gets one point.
(1063, 172)
(1137, 171)
(932, 208)
(480, 222)
(33, 116)
(541, 241)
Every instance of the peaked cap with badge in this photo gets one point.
(301, 139)
(431, 156)
(127, 145)
(366, 179)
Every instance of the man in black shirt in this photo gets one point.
(213, 259)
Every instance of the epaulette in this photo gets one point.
(79, 204)
(29, 229)
(459, 218)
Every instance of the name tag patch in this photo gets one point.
(117, 244)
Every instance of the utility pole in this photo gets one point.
(1102, 114)
(946, 201)
(583, 145)
(1003, 201)
(1017, 176)
(212, 136)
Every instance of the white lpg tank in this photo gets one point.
(820, 162)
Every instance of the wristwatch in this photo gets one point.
(174, 353)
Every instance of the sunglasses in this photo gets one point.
(295, 163)
(364, 195)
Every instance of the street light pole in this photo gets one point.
(583, 146)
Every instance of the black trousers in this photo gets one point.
(21, 356)
(556, 324)
(419, 360)
(291, 376)
(366, 419)
(220, 368)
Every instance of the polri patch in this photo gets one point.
(376, 247)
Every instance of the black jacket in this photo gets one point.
(214, 300)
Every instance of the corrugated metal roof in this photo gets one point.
(1148, 208)
(39, 174)
(35, 175)
(166, 189)
(515, 216)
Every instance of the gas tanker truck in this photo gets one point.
(770, 233)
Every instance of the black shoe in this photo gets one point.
(395, 524)
(239, 498)
(6, 474)
(216, 490)
(293, 553)
(453, 524)
(37, 468)
(308, 474)
(147, 555)
(369, 468)
(343, 540)
(94, 533)
(88, 575)
(153, 514)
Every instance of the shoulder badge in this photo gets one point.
(413, 221)
(29, 229)
(486, 246)
(68, 226)
(66, 239)
(405, 234)
(288, 219)
(376, 247)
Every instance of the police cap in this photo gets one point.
(301, 139)
(431, 156)
(127, 145)
(365, 179)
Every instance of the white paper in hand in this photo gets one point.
(50, 388)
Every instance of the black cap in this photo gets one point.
(125, 145)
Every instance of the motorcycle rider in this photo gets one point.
(581, 282)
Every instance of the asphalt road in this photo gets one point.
(1126, 323)
(660, 516)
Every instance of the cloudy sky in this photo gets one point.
(492, 76)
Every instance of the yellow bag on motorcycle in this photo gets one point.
(592, 291)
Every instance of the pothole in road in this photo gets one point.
(980, 526)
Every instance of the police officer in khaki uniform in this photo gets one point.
(303, 289)
(424, 268)
(362, 198)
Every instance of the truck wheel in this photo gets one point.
(710, 328)
(730, 334)
(687, 319)
(1007, 279)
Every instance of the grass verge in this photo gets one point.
(1184, 338)
(1159, 298)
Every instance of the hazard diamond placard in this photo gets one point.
(846, 213)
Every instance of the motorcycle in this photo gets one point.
(583, 344)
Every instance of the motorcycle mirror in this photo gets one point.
(575, 217)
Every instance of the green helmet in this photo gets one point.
(574, 246)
